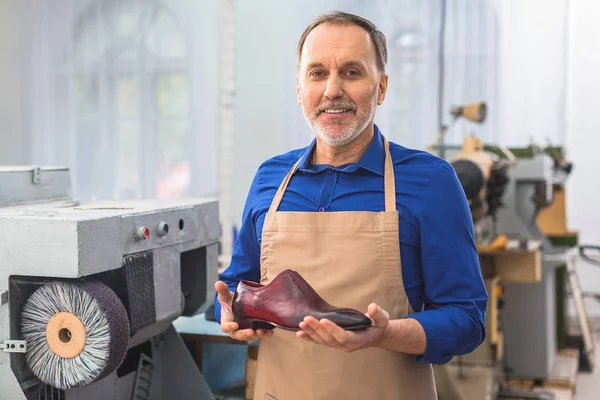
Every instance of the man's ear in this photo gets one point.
(298, 91)
(383, 85)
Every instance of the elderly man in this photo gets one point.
(370, 225)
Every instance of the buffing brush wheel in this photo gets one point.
(76, 333)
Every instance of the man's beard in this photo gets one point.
(336, 135)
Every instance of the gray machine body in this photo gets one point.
(47, 235)
(529, 313)
(175, 376)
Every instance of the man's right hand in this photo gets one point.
(225, 298)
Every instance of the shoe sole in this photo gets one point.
(255, 323)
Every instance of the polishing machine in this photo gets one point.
(88, 292)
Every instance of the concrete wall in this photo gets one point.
(11, 83)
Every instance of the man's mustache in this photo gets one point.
(336, 105)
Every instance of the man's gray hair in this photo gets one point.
(342, 18)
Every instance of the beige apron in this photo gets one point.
(351, 259)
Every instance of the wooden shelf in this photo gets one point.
(513, 266)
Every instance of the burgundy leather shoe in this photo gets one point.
(284, 302)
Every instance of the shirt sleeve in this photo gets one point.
(245, 257)
(455, 297)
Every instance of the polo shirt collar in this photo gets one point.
(372, 159)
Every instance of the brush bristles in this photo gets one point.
(65, 373)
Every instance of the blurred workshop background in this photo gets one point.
(186, 98)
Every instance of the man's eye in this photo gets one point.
(317, 74)
(352, 73)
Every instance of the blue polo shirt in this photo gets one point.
(440, 265)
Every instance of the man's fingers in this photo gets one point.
(225, 296)
(229, 327)
(262, 333)
(308, 325)
(223, 291)
(340, 335)
(244, 334)
(232, 328)
(378, 315)
(324, 329)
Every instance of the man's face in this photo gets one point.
(338, 85)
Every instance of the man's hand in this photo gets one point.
(327, 333)
(225, 298)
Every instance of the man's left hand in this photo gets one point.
(327, 333)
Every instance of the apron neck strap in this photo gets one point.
(388, 176)
(389, 179)
(282, 187)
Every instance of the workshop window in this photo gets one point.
(409, 114)
(129, 92)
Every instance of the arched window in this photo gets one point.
(129, 101)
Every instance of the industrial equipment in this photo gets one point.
(529, 317)
(529, 314)
(88, 292)
(474, 112)
(484, 177)
(483, 174)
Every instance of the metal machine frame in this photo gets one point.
(159, 256)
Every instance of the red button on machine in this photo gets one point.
(142, 233)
